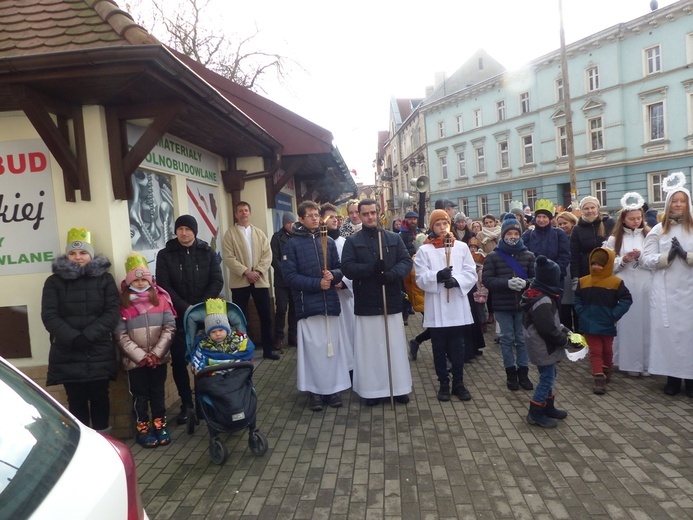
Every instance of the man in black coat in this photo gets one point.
(282, 292)
(189, 270)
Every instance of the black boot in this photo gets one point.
(461, 391)
(537, 415)
(413, 349)
(444, 391)
(522, 376)
(511, 374)
(185, 410)
(688, 387)
(673, 385)
(552, 411)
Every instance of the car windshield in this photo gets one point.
(37, 442)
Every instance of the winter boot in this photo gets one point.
(461, 391)
(145, 436)
(599, 384)
(511, 374)
(607, 373)
(444, 391)
(413, 349)
(162, 436)
(552, 411)
(522, 376)
(688, 387)
(673, 385)
(537, 415)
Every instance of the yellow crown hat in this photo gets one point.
(216, 315)
(136, 267)
(545, 206)
(79, 239)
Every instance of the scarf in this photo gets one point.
(141, 302)
(439, 242)
(511, 250)
(487, 234)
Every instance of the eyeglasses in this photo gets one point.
(312, 215)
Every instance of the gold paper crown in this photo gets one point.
(544, 204)
(515, 204)
(135, 260)
(215, 306)
(78, 235)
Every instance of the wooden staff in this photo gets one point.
(323, 241)
(387, 330)
(448, 248)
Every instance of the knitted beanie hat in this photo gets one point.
(587, 199)
(216, 315)
(547, 275)
(510, 222)
(187, 221)
(288, 217)
(79, 239)
(436, 215)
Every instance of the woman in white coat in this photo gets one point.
(446, 306)
(632, 343)
(667, 253)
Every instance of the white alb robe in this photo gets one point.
(316, 371)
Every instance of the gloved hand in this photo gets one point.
(379, 266)
(679, 248)
(152, 360)
(517, 284)
(450, 283)
(574, 283)
(444, 274)
(81, 342)
(673, 252)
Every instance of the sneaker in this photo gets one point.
(461, 392)
(315, 403)
(402, 399)
(413, 349)
(444, 392)
(334, 401)
(162, 436)
(271, 354)
(145, 437)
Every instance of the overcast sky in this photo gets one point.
(355, 55)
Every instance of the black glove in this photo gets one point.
(379, 266)
(444, 274)
(679, 248)
(450, 283)
(673, 252)
(81, 342)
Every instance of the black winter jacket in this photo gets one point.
(495, 276)
(360, 252)
(583, 239)
(278, 245)
(303, 265)
(189, 274)
(80, 301)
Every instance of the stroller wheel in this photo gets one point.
(258, 442)
(218, 451)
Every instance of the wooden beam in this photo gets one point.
(116, 151)
(63, 128)
(289, 174)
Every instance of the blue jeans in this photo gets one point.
(547, 378)
(512, 339)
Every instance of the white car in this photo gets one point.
(52, 466)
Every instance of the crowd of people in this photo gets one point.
(348, 287)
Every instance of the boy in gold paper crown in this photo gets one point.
(218, 342)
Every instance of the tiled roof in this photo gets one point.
(45, 26)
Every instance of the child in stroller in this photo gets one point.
(221, 354)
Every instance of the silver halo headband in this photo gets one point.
(632, 201)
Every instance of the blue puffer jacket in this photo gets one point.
(302, 266)
(551, 242)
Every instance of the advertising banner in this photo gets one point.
(28, 228)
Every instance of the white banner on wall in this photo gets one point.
(178, 157)
(28, 226)
(203, 205)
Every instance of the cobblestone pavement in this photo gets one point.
(625, 455)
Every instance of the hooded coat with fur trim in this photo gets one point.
(80, 300)
(601, 298)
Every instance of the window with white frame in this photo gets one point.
(599, 190)
(531, 197)
(463, 203)
(596, 134)
(527, 149)
(559, 89)
(458, 124)
(444, 167)
(461, 164)
(562, 141)
(655, 121)
(503, 155)
(482, 201)
(654, 187)
(524, 102)
(480, 160)
(593, 78)
(506, 199)
(441, 129)
(653, 60)
(477, 117)
(500, 110)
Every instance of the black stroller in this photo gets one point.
(224, 393)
